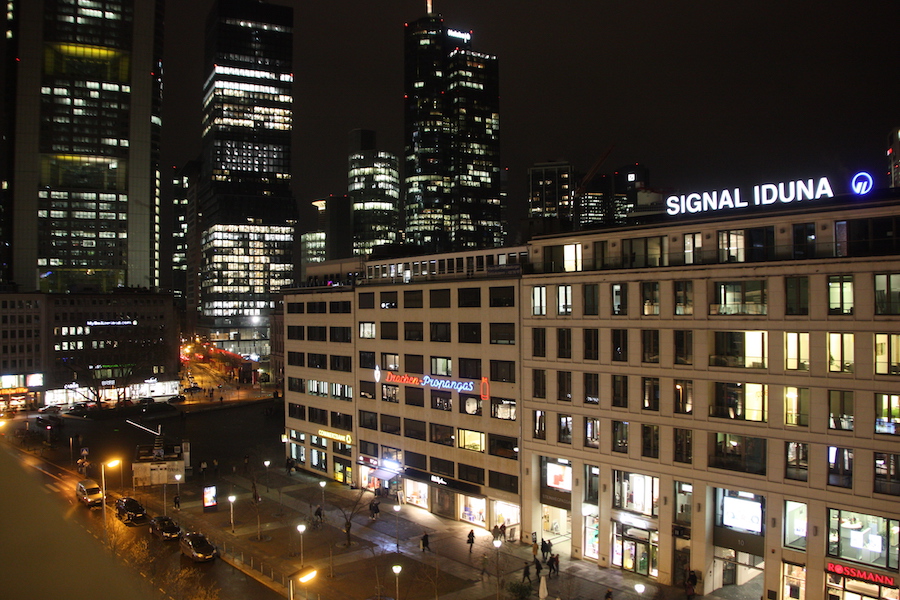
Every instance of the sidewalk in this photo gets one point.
(267, 546)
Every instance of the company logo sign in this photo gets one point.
(763, 194)
(862, 183)
(429, 381)
(859, 574)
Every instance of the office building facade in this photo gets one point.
(88, 90)
(713, 392)
(374, 190)
(452, 120)
(246, 212)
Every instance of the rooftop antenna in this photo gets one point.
(428, 7)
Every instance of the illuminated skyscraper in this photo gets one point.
(87, 84)
(374, 190)
(247, 213)
(452, 120)
(551, 190)
(893, 155)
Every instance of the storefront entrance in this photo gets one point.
(636, 550)
(555, 521)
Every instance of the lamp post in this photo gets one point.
(639, 588)
(103, 466)
(231, 500)
(396, 569)
(397, 512)
(302, 529)
(267, 463)
(497, 543)
(322, 485)
(304, 577)
(165, 489)
(178, 482)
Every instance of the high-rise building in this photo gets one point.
(452, 120)
(374, 190)
(551, 190)
(85, 196)
(893, 154)
(246, 216)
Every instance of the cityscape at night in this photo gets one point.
(449, 299)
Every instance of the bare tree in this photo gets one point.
(431, 575)
(351, 506)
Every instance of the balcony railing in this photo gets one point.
(743, 362)
(754, 308)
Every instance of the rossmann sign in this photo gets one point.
(860, 574)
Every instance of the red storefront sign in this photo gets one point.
(860, 574)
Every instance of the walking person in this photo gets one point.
(549, 548)
(503, 531)
(537, 568)
(526, 573)
(424, 542)
(484, 564)
(376, 510)
(534, 549)
(495, 531)
(608, 595)
(553, 563)
(318, 513)
(545, 549)
(470, 539)
(177, 502)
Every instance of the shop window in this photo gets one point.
(863, 538)
(650, 297)
(539, 383)
(796, 406)
(591, 432)
(650, 441)
(591, 388)
(684, 446)
(592, 484)
(539, 300)
(564, 342)
(441, 434)
(619, 298)
(887, 353)
(471, 440)
(840, 410)
(469, 333)
(794, 578)
(684, 396)
(620, 436)
(650, 346)
(591, 299)
(439, 332)
(539, 432)
(470, 404)
(887, 414)
(318, 460)
(414, 331)
(684, 502)
(503, 408)
(796, 461)
(564, 429)
(887, 473)
(564, 386)
(797, 295)
(740, 511)
(650, 386)
(539, 342)
(740, 401)
(564, 299)
(620, 391)
(684, 297)
(636, 493)
(840, 352)
(840, 294)
(739, 453)
(619, 345)
(840, 467)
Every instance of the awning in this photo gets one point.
(383, 474)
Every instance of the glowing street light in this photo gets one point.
(397, 512)
(304, 577)
(322, 485)
(302, 529)
(110, 464)
(497, 543)
(267, 463)
(231, 500)
(396, 569)
(639, 588)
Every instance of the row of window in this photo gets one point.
(414, 331)
(498, 297)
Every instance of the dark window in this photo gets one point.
(470, 473)
(804, 241)
(620, 391)
(539, 383)
(840, 467)
(412, 299)
(414, 331)
(340, 334)
(415, 396)
(439, 298)
(738, 453)
(339, 307)
(684, 444)
(415, 460)
(317, 361)
(366, 300)
(414, 363)
(366, 360)
(500, 445)
(591, 299)
(591, 344)
(592, 388)
(503, 333)
(341, 363)
(368, 419)
(650, 441)
(887, 473)
(440, 332)
(296, 411)
(296, 384)
(650, 345)
(439, 466)
(539, 342)
(503, 481)
(564, 342)
(318, 415)
(502, 296)
(296, 332)
(469, 333)
(442, 434)
(469, 297)
(316, 308)
(684, 297)
(315, 333)
(796, 461)
(389, 330)
(503, 370)
(295, 308)
(469, 368)
(296, 359)
(370, 448)
(651, 393)
(684, 347)
(388, 299)
(564, 386)
(414, 429)
(367, 389)
(797, 292)
(390, 424)
(620, 345)
(342, 421)
(620, 437)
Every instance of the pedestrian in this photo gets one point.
(177, 502)
(484, 563)
(537, 568)
(319, 513)
(549, 547)
(496, 531)
(470, 539)
(246, 463)
(534, 549)
(221, 398)
(424, 542)
(287, 465)
(503, 531)
(553, 563)
(526, 572)
(376, 509)
(203, 470)
(216, 467)
(545, 549)
(372, 509)
(608, 595)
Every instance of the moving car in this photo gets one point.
(178, 398)
(53, 409)
(164, 528)
(129, 510)
(196, 547)
(88, 493)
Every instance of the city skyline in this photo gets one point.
(704, 95)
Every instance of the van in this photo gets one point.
(88, 493)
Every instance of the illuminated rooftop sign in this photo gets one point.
(764, 194)
(459, 34)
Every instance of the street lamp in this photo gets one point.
(302, 529)
(267, 463)
(231, 500)
(396, 569)
(639, 588)
(304, 577)
(178, 481)
(497, 543)
(110, 464)
(397, 512)
(322, 485)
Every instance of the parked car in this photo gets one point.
(176, 399)
(53, 409)
(129, 510)
(164, 528)
(196, 547)
(48, 421)
(88, 493)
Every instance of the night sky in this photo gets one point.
(706, 94)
